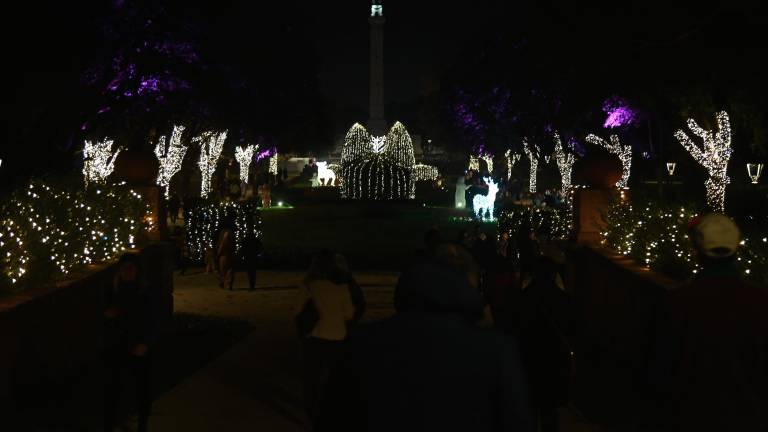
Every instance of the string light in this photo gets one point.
(483, 204)
(488, 158)
(565, 163)
(556, 219)
(533, 157)
(377, 167)
(203, 221)
(244, 156)
(273, 164)
(170, 158)
(624, 152)
(211, 144)
(425, 172)
(49, 231)
(511, 161)
(99, 160)
(474, 163)
(714, 156)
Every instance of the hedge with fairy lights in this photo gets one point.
(656, 236)
(49, 230)
(555, 221)
(205, 218)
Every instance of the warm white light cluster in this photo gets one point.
(377, 167)
(565, 163)
(273, 164)
(534, 158)
(170, 158)
(624, 152)
(474, 163)
(211, 144)
(425, 172)
(511, 161)
(244, 156)
(483, 204)
(714, 156)
(99, 160)
(488, 158)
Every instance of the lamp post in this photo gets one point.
(754, 171)
(671, 168)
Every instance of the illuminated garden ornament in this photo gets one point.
(714, 156)
(244, 156)
(211, 144)
(170, 158)
(624, 152)
(99, 160)
(565, 163)
(483, 204)
(326, 175)
(511, 161)
(754, 171)
(377, 168)
(423, 172)
(533, 158)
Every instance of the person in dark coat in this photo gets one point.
(545, 328)
(252, 249)
(174, 203)
(430, 367)
(711, 357)
(129, 334)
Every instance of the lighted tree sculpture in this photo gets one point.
(534, 158)
(169, 156)
(99, 160)
(211, 144)
(714, 156)
(624, 152)
(511, 161)
(565, 163)
(244, 156)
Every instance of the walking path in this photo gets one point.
(255, 385)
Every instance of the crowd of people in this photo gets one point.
(484, 337)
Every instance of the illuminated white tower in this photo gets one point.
(377, 125)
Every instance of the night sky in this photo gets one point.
(325, 44)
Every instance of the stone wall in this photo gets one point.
(616, 303)
(52, 337)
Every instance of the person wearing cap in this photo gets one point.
(711, 362)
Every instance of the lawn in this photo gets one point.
(372, 235)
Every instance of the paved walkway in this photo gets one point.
(255, 384)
